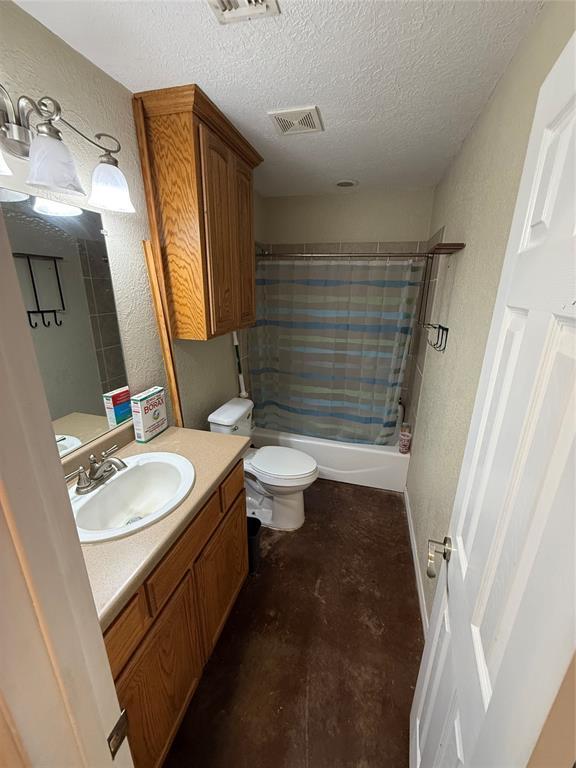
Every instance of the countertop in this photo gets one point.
(117, 568)
(84, 426)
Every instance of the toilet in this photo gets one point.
(275, 477)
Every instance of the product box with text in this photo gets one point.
(149, 414)
(117, 404)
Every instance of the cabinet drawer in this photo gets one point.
(232, 486)
(163, 581)
(124, 635)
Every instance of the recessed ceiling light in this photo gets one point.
(347, 183)
(52, 208)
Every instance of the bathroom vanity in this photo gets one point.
(163, 594)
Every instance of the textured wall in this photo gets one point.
(207, 377)
(36, 62)
(348, 216)
(475, 201)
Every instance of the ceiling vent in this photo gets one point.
(230, 11)
(303, 120)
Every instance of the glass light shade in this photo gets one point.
(10, 196)
(52, 208)
(51, 165)
(110, 189)
(4, 169)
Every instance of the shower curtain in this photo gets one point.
(329, 349)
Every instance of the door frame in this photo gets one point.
(58, 702)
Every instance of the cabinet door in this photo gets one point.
(217, 185)
(220, 572)
(244, 235)
(157, 684)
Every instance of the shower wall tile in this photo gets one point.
(114, 361)
(280, 248)
(359, 247)
(96, 332)
(90, 295)
(98, 259)
(109, 330)
(119, 381)
(103, 317)
(406, 246)
(104, 296)
(322, 248)
(83, 254)
(101, 367)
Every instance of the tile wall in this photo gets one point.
(102, 307)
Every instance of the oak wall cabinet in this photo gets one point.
(197, 171)
(159, 643)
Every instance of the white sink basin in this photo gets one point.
(67, 443)
(152, 485)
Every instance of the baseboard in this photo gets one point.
(417, 571)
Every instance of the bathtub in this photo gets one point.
(377, 466)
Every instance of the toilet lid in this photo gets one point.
(283, 462)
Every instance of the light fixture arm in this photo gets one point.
(108, 152)
(15, 126)
(8, 106)
(46, 107)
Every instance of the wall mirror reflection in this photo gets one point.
(62, 264)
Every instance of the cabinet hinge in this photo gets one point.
(118, 734)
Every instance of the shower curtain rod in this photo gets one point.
(439, 248)
(336, 255)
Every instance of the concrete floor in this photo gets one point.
(317, 664)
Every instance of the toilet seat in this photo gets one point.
(281, 466)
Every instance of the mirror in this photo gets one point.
(62, 265)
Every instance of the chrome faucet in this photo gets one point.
(98, 472)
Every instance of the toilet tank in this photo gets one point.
(233, 418)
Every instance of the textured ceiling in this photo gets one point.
(398, 84)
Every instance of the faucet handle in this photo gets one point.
(83, 479)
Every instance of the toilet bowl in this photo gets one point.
(275, 477)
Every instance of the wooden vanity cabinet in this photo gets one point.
(197, 171)
(220, 572)
(157, 684)
(159, 643)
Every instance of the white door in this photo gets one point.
(502, 631)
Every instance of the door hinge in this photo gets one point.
(118, 734)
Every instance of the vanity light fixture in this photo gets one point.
(4, 168)
(109, 186)
(51, 164)
(53, 208)
(10, 196)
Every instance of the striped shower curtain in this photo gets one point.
(329, 349)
